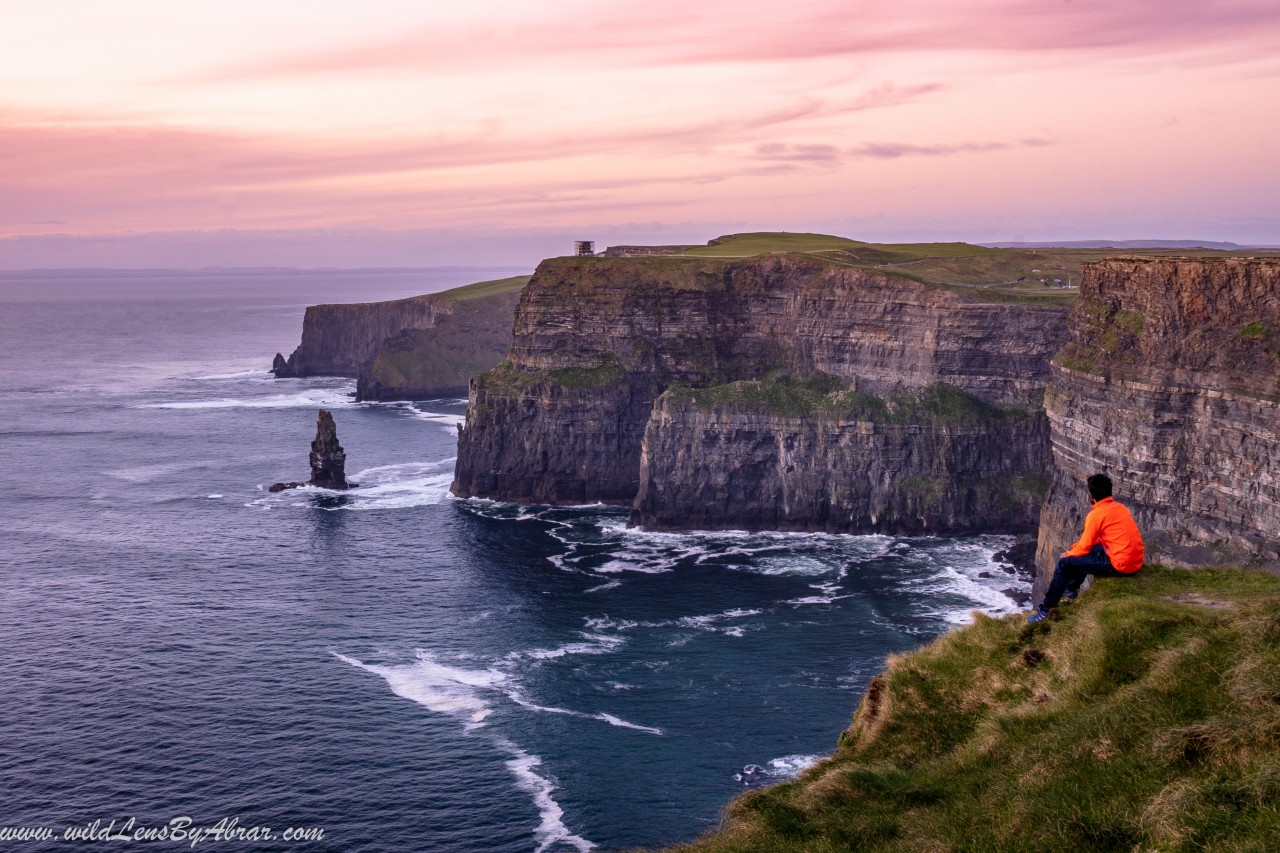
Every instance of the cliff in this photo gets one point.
(568, 416)
(1144, 718)
(419, 364)
(1170, 383)
(406, 349)
(338, 339)
(774, 455)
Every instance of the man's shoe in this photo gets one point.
(1039, 616)
(1070, 595)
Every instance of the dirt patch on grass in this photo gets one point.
(1201, 601)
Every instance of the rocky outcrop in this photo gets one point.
(1170, 383)
(421, 364)
(338, 339)
(747, 456)
(408, 349)
(328, 459)
(597, 341)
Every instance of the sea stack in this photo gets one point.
(328, 459)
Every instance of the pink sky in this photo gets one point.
(391, 122)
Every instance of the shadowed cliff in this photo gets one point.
(574, 414)
(1170, 383)
(408, 349)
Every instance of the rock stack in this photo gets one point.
(328, 459)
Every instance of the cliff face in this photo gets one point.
(1170, 383)
(422, 363)
(338, 339)
(408, 349)
(596, 342)
(933, 462)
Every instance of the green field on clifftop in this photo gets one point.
(1146, 717)
(483, 289)
(1042, 275)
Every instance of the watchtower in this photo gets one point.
(584, 248)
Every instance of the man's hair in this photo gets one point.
(1099, 486)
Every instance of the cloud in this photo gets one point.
(671, 33)
(894, 150)
(831, 155)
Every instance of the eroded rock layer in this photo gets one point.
(338, 339)
(596, 341)
(939, 462)
(1170, 383)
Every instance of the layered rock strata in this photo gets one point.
(597, 341)
(408, 349)
(1170, 383)
(338, 339)
(936, 462)
(421, 364)
(328, 459)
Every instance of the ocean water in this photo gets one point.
(397, 668)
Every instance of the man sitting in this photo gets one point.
(1110, 546)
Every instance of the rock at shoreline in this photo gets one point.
(328, 459)
(1019, 558)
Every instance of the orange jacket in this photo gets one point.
(1111, 525)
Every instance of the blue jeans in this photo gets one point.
(1072, 571)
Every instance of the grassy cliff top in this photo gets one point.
(992, 274)
(1146, 716)
(827, 396)
(483, 289)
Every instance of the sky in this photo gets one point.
(404, 132)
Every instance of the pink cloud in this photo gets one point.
(674, 32)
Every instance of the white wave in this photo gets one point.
(606, 623)
(789, 766)
(792, 565)
(449, 420)
(953, 572)
(708, 622)
(402, 486)
(604, 586)
(620, 723)
(596, 644)
(213, 497)
(551, 829)
(329, 398)
(633, 565)
(438, 687)
(426, 490)
(243, 374)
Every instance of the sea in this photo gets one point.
(187, 657)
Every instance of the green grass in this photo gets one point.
(608, 371)
(1253, 330)
(506, 379)
(1144, 717)
(827, 396)
(484, 289)
(770, 242)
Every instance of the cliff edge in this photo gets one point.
(1144, 718)
(591, 401)
(408, 349)
(1170, 383)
